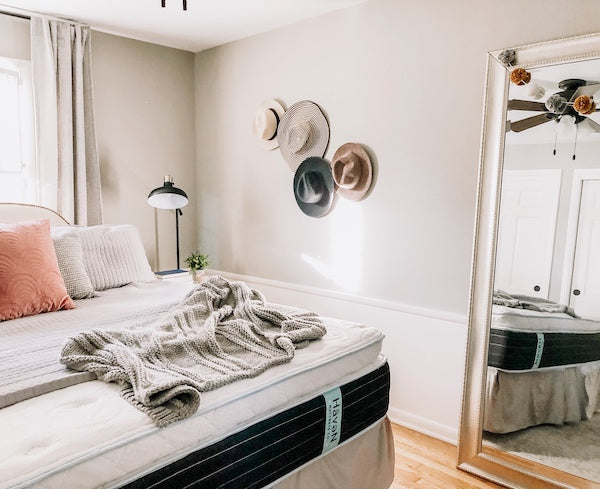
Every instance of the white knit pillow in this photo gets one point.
(70, 262)
(114, 256)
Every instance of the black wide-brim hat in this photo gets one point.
(314, 188)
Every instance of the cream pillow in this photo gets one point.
(69, 254)
(114, 256)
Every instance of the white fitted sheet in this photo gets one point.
(87, 436)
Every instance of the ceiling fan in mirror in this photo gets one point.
(574, 100)
(572, 104)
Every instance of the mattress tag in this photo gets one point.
(539, 349)
(333, 419)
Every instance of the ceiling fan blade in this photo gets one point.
(592, 124)
(588, 90)
(526, 105)
(530, 122)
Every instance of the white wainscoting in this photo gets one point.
(425, 350)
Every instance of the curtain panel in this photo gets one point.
(66, 150)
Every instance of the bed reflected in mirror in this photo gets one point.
(543, 380)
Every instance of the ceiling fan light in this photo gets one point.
(535, 91)
(556, 104)
(520, 76)
(584, 105)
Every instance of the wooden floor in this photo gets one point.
(423, 462)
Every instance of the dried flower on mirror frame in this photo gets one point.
(520, 76)
(584, 105)
(507, 57)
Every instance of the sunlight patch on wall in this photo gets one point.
(345, 264)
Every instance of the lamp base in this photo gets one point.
(171, 272)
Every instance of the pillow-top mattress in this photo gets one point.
(525, 340)
(87, 436)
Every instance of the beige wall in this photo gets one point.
(407, 80)
(144, 101)
(144, 96)
(14, 37)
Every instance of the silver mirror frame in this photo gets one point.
(498, 466)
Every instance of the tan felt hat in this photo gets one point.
(352, 171)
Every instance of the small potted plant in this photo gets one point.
(197, 262)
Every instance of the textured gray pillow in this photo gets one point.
(114, 256)
(70, 262)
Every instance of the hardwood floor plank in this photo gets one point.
(423, 462)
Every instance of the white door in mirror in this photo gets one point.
(585, 286)
(529, 206)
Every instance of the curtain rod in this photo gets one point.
(14, 14)
(26, 14)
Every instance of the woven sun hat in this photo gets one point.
(314, 188)
(302, 132)
(266, 120)
(352, 171)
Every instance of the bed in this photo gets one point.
(318, 420)
(543, 365)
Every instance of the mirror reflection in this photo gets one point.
(543, 383)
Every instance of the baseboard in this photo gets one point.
(426, 426)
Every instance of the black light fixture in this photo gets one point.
(169, 197)
(163, 4)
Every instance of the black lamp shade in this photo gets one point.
(168, 196)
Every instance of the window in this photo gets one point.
(18, 174)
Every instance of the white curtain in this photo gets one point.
(67, 156)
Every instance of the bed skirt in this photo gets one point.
(518, 400)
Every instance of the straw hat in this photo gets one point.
(266, 119)
(313, 187)
(302, 132)
(352, 171)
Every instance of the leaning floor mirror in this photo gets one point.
(531, 405)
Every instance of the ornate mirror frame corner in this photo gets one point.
(484, 461)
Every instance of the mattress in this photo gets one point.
(86, 435)
(525, 340)
(270, 449)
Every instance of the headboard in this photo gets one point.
(11, 213)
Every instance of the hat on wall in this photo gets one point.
(302, 132)
(352, 171)
(266, 119)
(314, 188)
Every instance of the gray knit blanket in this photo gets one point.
(221, 332)
(517, 301)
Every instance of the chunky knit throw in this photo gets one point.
(222, 331)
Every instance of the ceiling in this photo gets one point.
(205, 23)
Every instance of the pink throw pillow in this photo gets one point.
(30, 281)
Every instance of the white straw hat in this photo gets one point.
(266, 119)
(302, 132)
